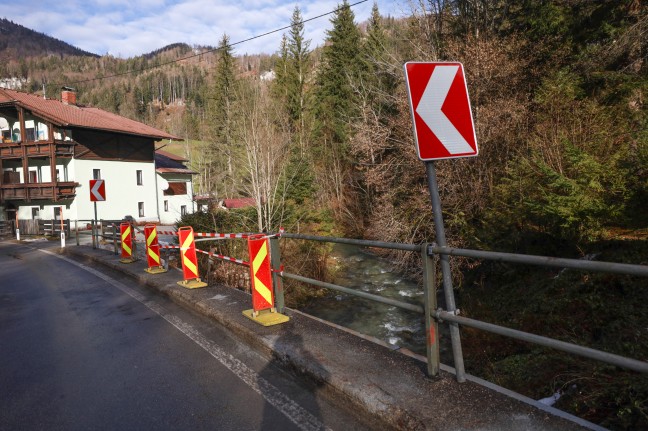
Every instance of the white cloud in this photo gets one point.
(128, 28)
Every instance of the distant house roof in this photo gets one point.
(175, 171)
(171, 156)
(168, 163)
(64, 115)
(204, 197)
(238, 203)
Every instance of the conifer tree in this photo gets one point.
(279, 84)
(336, 108)
(221, 116)
(341, 65)
(377, 77)
(298, 48)
(376, 40)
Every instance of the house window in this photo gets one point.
(139, 178)
(35, 213)
(176, 189)
(166, 206)
(96, 174)
(33, 177)
(140, 207)
(57, 213)
(183, 210)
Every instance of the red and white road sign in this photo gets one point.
(441, 116)
(97, 190)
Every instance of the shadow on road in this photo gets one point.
(301, 408)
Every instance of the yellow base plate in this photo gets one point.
(192, 284)
(129, 260)
(155, 270)
(266, 317)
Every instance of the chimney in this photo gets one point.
(68, 97)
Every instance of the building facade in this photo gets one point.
(175, 184)
(51, 149)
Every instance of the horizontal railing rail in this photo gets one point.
(556, 262)
(610, 358)
(377, 298)
(453, 317)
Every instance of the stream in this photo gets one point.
(362, 270)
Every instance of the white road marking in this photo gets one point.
(293, 411)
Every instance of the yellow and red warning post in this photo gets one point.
(263, 308)
(153, 250)
(188, 259)
(126, 231)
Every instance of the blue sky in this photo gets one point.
(126, 28)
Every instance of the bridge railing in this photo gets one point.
(434, 316)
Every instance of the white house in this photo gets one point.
(51, 149)
(175, 184)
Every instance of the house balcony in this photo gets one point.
(17, 150)
(38, 191)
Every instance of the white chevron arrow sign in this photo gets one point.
(97, 190)
(442, 119)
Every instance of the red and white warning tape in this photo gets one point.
(218, 235)
(222, 257)
(222, 235)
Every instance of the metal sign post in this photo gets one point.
(97, 193)
(443, 129)
(95, 238)
(446, 272)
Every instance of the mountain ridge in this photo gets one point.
(18, 42)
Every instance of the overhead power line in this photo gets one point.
(210, 50)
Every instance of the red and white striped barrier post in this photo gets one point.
(188, 259)
(153, 250)
(263, 308)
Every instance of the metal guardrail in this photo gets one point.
(433, 315)
(555, 262)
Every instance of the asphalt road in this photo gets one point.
(82, 349)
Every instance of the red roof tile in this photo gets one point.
(64, 115)
(239, 203)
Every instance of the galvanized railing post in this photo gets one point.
(275, 263)
(94, 238)
(446, 272)
(431, 325)
(132, 224)
(212, 250)
(114, 232)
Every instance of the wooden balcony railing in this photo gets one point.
(12, 150)
(38, 191)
